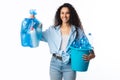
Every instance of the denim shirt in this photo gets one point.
(53, 37)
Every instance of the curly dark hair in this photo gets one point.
(74, 18)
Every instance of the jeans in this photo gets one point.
(59, 70)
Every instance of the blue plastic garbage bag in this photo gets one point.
(82, 43)
(31, 32)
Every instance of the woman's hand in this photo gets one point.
(88, 57)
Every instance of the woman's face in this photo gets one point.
(65, 15)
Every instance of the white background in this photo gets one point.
(100, 17)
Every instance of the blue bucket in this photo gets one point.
(77, 62)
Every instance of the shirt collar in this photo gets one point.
(57, 27)
(72, 28)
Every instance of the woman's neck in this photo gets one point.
(65, 29)
(65, 25)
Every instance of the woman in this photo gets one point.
(59, 37)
